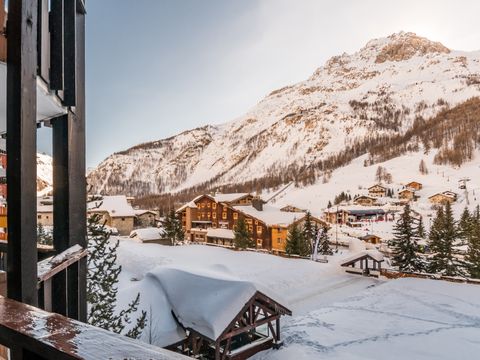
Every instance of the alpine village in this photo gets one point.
(339, 218)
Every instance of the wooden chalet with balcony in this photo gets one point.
(377, 191)
(212, 219)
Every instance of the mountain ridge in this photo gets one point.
(377, 91)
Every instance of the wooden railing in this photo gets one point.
(32, 333)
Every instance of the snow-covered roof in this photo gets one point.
(116, 206)
(271, 215)
(45, 204)
(374, 254)
(220, 233)
(147, 234)
(229, 197)
(205, 301)
(139, 212)
(190, 204)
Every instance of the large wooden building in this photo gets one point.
(268, 226)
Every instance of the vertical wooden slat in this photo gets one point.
(21, 148)
(61, 216)
(56, 45)
(78, 227)
(69, 48)
(43, 42)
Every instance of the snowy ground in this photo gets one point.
(335, 315)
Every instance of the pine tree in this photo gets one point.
(308, 230)
(102, 280)
(329, 204)
(44, 237)
(473, 239)
(324, 242)
(442, 238)
(296, 243)
(405, 244)
(465, 225)
(172, 227)
(421, 229)
(242, 237)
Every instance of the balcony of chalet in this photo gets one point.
(43, 306)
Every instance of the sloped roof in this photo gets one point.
(116, 206)
(205, 301)
(229, 197)
(271, 215)
(373, 254)
(147, 234)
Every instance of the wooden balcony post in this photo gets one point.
(21, 148)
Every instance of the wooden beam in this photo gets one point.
(56, 45)
(69, 52)
(249, 327)
(21, 148)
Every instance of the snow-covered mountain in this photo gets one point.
(44, 174)
(378, 91)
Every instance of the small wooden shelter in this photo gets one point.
(367, 262)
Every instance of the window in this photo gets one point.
(208, 215)
(224, 215)
(39, 216)
(259, 242)
(202, 205)
(250, 228)
(259, 229)
(123, 219)
(235, 216)
(208, 205)
(214, 215)
(256, 222)
(248, 221)
(214, 206)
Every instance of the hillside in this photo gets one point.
(357, 103)
(44, 174)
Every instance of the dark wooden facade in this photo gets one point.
(222, 215)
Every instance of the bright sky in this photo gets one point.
(158, 67)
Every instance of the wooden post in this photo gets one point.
(277, 323)
(21, 148)
(56, 45)
(61, 216)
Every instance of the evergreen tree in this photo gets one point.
(422, 167)
(172, 227)
(242, 237)
(296, 243)
(473, 239)
(324, 242)
(102, 280)
(465, 225)
(421, 233)
(308, 230)
(405, 244)
(44, 237)
(329, 204)
(442, 238)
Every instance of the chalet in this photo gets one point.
(222, 237)
(336, 216)
(372, 239)
(205, 220)
(145, 218)
(45, 211)
(290, 208)
(151, 235)
(443, 198)
(366, 262)
(116, 212)
(365, 200)
(407, 194)
(213, 315)
(414, 185)
(377, 191)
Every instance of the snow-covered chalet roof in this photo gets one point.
(205, 301)
(229, 197)
(116, 206)
(271, 215)
(373, 254)
(147, 234)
